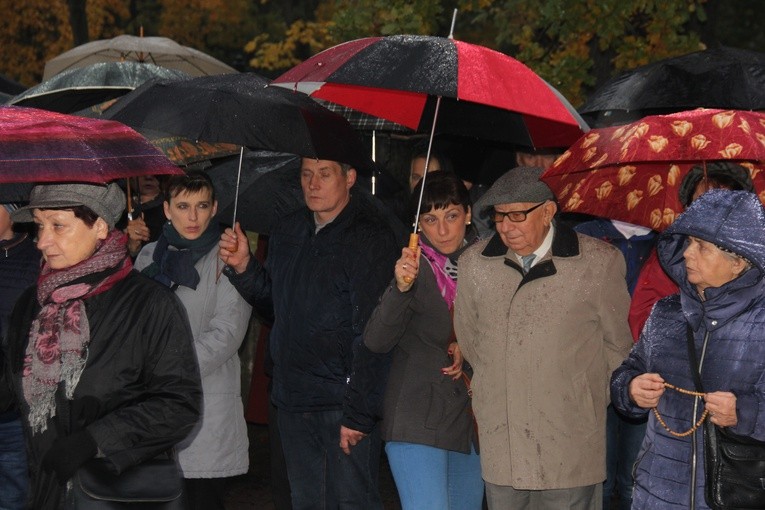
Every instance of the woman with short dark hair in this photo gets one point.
(428, 426)
(185, 258)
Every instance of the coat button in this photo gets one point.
(714, 323)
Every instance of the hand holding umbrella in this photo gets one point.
(232, 252)
(407, 267)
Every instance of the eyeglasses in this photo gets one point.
(514, 216)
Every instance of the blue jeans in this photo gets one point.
(431, 478)
(14, 480)
(321, 476)
(623, 439)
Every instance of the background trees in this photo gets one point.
(574, 44)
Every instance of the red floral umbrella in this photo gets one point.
(485, 94)
(632, 172)
(42, 146)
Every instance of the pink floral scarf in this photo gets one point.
(59, 336)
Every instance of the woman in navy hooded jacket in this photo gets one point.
(715, 251)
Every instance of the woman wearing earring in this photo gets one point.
(185, 258)
(427, 419)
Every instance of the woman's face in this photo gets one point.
(64, 239)
(190, 213)
(445, 228)
(708, 266)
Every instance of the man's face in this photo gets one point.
(418, 170)
(532, 159)
(326, 188)
(526, 236)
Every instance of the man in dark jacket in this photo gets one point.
(19, 266)
(326, 268)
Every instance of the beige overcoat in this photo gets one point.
(543, 348)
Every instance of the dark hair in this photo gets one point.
(192, 181)
(82, 212)
(718, 174)
(442, 189)
(421, 151)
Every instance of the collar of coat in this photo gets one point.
(565, 244)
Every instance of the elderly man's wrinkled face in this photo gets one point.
(64, 239)
(708, 266)
(524, 237)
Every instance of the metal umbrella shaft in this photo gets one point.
(414, 237)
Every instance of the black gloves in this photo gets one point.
(69, 453)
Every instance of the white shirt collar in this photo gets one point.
(543, 248)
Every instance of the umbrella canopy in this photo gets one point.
(242, 110)
(632, 172)
(42, 146)
(486, 94)
(160, 51)
(724, 78)
(83, 87)
(268, 190)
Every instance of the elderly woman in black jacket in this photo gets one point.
(100, 358)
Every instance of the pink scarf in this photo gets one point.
(59, 336)
(444, 280)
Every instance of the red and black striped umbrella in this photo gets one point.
(485, 94)
(42, 146)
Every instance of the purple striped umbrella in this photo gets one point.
(42, 146)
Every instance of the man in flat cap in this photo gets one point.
(541, 315)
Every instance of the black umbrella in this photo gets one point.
(83, 87)
(241, 109)
(724, 78)
(269, 188)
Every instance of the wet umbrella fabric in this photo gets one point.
(83, 87)
(160, 51)
(632, 173)
(486, 94)
(268, 190)
(42, 146)
(242, 110)
(723, 78)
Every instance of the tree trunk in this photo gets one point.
(78, 19)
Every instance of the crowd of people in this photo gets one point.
(493, 362)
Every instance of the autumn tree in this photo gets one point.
(335, 21)
(574, 44)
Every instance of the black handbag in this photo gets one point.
(734, 466)
(155, 484)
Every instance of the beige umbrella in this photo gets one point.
(160, 51)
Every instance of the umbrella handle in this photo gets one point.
(414, 240)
